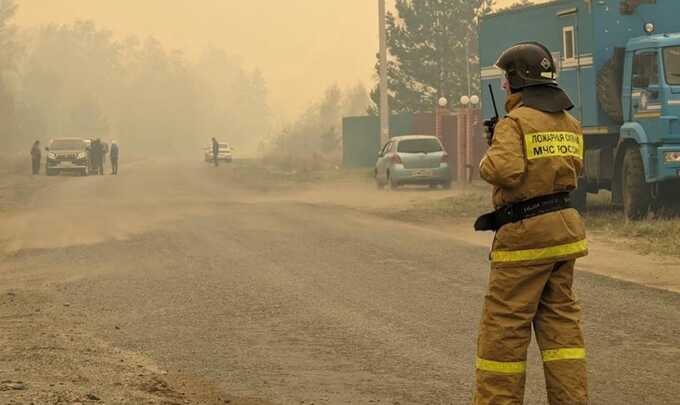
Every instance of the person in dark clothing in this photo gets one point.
(98, 156)
(114, 157)
(36, 156)
(215, 150)
(94, 155)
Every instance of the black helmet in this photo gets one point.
(528, 64)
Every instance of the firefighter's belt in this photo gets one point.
(516, 212)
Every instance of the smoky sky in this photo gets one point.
(301, 46)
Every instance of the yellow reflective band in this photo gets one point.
(647, 114)
(553, 144)
(516, 367)
(539, 254)
(577, 353)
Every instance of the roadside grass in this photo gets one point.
(266, 177)
(650, 236)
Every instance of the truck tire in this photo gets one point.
(579, 197)
(637, 196)
(609, 82)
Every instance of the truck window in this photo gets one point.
(671, 61)
(645, 69)
(569, 43)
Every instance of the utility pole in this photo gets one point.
(384, 101)
(468, 116)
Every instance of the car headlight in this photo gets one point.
(52, 155)
(671, 157)
(82, 155)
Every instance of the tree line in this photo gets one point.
(81, 80)
(314, 138)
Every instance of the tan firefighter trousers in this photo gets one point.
(519, 296)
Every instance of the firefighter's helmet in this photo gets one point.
(528, 64)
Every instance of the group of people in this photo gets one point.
(97, 151)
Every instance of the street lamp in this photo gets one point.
(469, 101)
(465, 142)
(442, 103)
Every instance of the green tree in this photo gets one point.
(428, 41)
(318, 130)
(517, 4)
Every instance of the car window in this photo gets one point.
(425, 145)
(386, 149)
(67, 144)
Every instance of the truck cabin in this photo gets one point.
(653, 66)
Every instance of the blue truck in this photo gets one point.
(619, 61)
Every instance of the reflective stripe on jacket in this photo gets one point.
(535, 154)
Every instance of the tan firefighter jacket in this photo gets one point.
(534, 154)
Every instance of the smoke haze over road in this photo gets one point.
(302, 46)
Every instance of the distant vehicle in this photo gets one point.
(413, 159)
(69, 155)
(225, 154)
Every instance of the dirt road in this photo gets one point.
(173, 283)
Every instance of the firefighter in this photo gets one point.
(534, 160)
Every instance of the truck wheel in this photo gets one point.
(609, 82)
(637, 194)
(579, 197)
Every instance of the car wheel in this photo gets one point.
(447, 185)
(394, 184)
(378, 184)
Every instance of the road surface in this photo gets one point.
(268, 298)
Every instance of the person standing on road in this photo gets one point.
(98, 156)
(533, 163)
(36, 157)
(114, 157)
(215, 151)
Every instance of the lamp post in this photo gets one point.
(465, 142)
(384, 100)
(442, 104)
